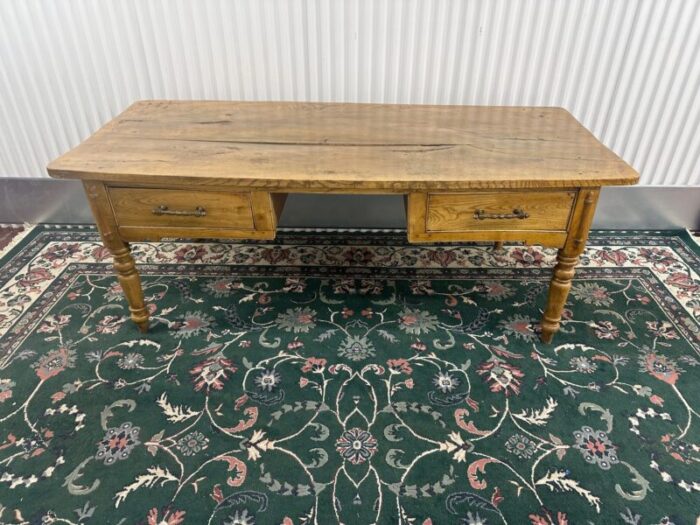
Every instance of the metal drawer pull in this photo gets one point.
(163, 210)
(518, 213)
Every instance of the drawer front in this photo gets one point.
(479, 211)
(177, 208)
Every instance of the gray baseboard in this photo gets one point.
(639, 207)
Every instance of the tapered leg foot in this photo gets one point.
(558, 292)
(498, 245)
(548, 333)
(131, 285)
(123, 261)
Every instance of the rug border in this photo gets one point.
(16, 240)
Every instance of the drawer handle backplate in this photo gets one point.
(518, 213)
(163, 210)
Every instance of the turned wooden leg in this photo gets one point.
(558, 292)
(123, 261)
(567, 259)
(131, 284)
(498, 245)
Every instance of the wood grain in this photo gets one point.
(247, 215)
(547, 210)
(288, 146)
(135, 206)
(146, 233)
(124, 265)
(238, 161)
(417, 220)
(567, 259)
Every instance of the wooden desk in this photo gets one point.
(224, 169)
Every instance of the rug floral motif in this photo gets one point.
(349, 378)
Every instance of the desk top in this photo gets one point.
(292, 146)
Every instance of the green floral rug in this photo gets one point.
(349, 378)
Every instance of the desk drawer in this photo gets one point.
(499, 211)
(152, 213)
(530, 216)
(165, 207)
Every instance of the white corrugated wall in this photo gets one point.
(628, 69)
